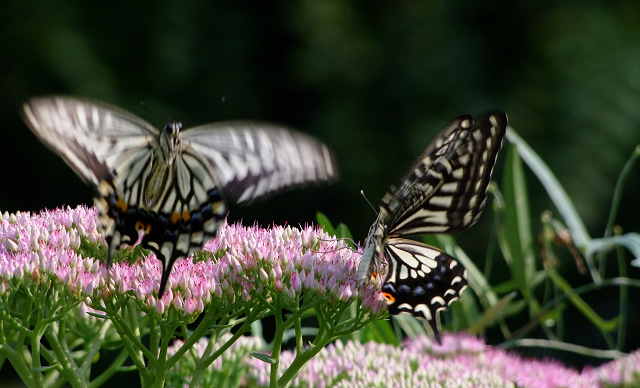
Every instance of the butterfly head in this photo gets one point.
(172, 129)
(170, 138)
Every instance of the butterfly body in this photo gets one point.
(171, 186)
(444, 192)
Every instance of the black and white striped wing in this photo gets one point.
(90, 136)
(421, 280)
(254, 160)
(446, 189)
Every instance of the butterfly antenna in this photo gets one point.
(338, 249)
(367, 200)
(340, 239)
(155, 113)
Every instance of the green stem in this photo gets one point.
(624, 299)
(111, 370)
(17, 360)
(95, 346)
(577, 349)
(617, 196)
(299, 340)
(243, 329)
(276, 347)
(130, 343)
(67, 366)
(302, 358)
(617, 193)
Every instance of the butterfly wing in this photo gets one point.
(255, 160)
(90, 136)
(421, 280)
(446, 189)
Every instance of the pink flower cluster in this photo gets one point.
(39, 247)
(461, 361)
(278, 260)
(623, 372)
(232, 361)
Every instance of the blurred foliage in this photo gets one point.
(374, 80)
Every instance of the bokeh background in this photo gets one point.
(374, 80)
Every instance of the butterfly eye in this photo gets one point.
(173, 129)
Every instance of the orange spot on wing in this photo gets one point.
(175, 217)
(186, 216)
(122, 205)
(141, 226)
(388, 297)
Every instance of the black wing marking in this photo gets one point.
(421, 280)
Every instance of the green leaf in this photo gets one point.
(568, 211)
(515, 235)
(410, 325)
(324, 223)
(343, 232)
(552, 186)
(263, 357)
(379, 331)
(492, 315)
(44, 368)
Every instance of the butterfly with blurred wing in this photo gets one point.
(172, 184)
(444, 192)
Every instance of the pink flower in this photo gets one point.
(296, 285)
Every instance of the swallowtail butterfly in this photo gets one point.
(172, 184)
(444, 192)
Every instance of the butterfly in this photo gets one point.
(444, 192)
(172, 185)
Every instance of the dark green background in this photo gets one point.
(376, 80)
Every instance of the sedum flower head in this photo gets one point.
(461, 361)
(623, 372)
(239, 264)
(40, 248)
